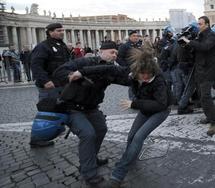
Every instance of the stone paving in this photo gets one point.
(178, 154)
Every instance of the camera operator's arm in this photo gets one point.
(203, 45)
(187, 41)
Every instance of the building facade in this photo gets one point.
(180, 18)
(209, 10)
(29, 29)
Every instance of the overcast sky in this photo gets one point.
(133, 8)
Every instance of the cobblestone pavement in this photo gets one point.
(18, 103)
(178, 154)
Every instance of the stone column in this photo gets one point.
(81, 37)
(112, 35)
(160, 33)
(5, 35)
(154, 34)
(34, 37)
(73, 37)
(97, 39)
(65, 37)
(147, 32)
(40, 37)
(120, 36)
(23, 38)
(104, 34)
(15, 38)
(89, 39)
(126, 33)
(29, 37)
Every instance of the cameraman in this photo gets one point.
(204, 47)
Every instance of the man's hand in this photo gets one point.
(49, 85)
(74, 76)
(185, 39)
(125, 104)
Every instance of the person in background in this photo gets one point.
(14, 60)
(25, 59)
(78, 51)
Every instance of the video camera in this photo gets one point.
(187, 32)
(190, 32)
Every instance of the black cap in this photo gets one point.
(108, 45)
(132, 32)
(53, 26)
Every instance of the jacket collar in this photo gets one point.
(205, 32)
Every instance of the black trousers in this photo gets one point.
(207, 100)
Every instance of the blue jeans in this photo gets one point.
(16, 71)
(143, 125)
(90, 127)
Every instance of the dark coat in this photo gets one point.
(45, 58)
(204, 48)
(85, 93)
(150, 97)
(124, 52)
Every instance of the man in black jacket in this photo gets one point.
(125, 50)
(87, 121)
(45, 58)
(204, 48)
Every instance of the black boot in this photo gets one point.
(204, 121)
(187, 110)
(113, 184)
(101, 162)
(211, 130)
(95, 182)
(37, 144)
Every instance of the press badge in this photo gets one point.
(54, 49)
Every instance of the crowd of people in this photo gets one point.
(167, 71)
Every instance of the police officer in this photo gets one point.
(125, 50)
(45, 58)
(86, 120)
(123, 53)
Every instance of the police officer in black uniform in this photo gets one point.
(45, 58)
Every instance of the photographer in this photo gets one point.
(204, 47)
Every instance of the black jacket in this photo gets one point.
(150, 98)
(45, 58)
(85, 93)
(124, 52)
(204, 48)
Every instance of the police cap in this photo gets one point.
(53, 26)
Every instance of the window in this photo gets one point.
(212, 6)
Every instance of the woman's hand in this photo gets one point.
(125, 104)
(74, 76)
